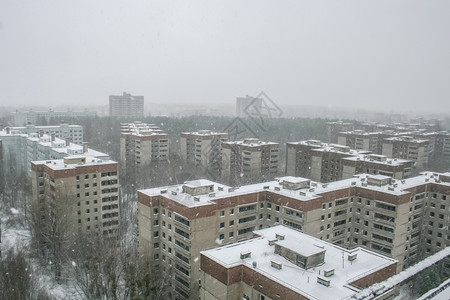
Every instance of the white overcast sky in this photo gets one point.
(392, 55)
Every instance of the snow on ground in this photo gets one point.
(15, 236)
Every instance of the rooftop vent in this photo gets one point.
(272, 242)
(174, 193)
(352, 257)
(353, 182)
(245, 255)
(324, 185)
(276, 265)
(279, 236)
(328, 273)
(196, 199)
(254, 264)
(323, 281)
(277, 188)
(212, 194)
(163, 191)
(220, 188)
(266, 187)
(302, 193)
(311, 190)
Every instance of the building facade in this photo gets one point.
(250, 160)
(406, 219)
(407, 147)
(142, 144)
(126, 106)
(247, 106)
(85, 189)
(19, 149)
(46, 117)
(203, 148)
(331, 162)
(64, 131)
(281, 263)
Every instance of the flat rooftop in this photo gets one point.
(294, 277)
(220, 191)
(60, 164)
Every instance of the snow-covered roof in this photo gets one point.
(61, 164)
(220, 191)
(294, 277)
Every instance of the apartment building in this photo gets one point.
(84, 188)
(203, 148)
(406, 219)
(246, 106)
(126, 106)
(45, 117)
(331, 162)
(407, 147)
(282, 263)
(142, 144)
(361, 140)
(333, 128)
(19, 149)
(250, 160)
(64, 131)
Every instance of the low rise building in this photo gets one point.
(281, 263)
(64, 131)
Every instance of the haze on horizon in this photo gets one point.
(380, 55)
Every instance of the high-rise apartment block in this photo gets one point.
(46, 117)
(126, 106)
(407, 147)
(142, 144)
(64, 131)
(333, 128)
(246, 106)
(83, 188)
(249, 160)
(203, 148)
(282, 263)
(404, 219)
(331, 162)
(19, 149)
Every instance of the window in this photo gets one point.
(87, 202)
(156, 234)
(88, 210)
(277, 208)
(222, 213)
(232, 211)
(222, 225)
(221, 236)
(231, 223)
(231, 234)
(156, 245)
(155, 211)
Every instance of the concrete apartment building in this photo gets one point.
(246, 106)
(203, 148)
(142, 144)
(45, 117)
(331, 162)
(404, 219)
(333, 128)
(19, 149)
(250, 160)
(84, 188)
(361, 140)
(126, 106)
(64, 131)
(407, 147)
(282, 263)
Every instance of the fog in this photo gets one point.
(382, 55)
